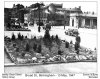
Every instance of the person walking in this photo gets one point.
(77, 44)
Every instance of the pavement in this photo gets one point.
(78, 67)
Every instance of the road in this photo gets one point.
(79, 67)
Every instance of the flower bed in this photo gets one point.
(18, 29)
(23, 50)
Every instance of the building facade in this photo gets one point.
(57, 15)
(83, 20)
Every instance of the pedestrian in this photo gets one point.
(77, 47)
(78, 39)
(77, 44)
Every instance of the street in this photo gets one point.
(77, 67)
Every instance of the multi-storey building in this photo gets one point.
(57, 15)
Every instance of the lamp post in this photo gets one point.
(38, 5)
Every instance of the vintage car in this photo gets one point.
(71, 32)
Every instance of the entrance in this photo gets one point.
(73, 22)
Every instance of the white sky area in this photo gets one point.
(85, 6)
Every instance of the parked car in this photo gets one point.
(71, 32)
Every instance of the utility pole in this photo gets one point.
(64, 21)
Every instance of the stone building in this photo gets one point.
(48, 13)
(57, 15)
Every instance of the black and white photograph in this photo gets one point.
(50, 37)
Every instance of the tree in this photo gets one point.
(20, 11)
(19, 6)
(7, 16)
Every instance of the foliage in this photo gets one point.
(23, 54)
(27, 47)
(52, 37)
(35, 47)
(39, 49)
(60, 52)
(13, 37)
(56, 37)
(71, 42)
(17, 49)
(19, 36)
(26, 37)
(67, 44)
(47, 35)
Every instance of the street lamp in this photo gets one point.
(38, 5)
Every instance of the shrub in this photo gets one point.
(39, 49)
(14, 45)
(56, 37)
(67, 44)
(23, 54)
(47, 35)
(60, 52)
(13, 37)
(71, 42)
(27, 47)
(52, 37)
(22, 37)
(34, 37)
(17, 49)
(26, 37)
(19, 36)
(35, 47)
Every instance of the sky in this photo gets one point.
(85, 6)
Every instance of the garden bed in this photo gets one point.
(45, 50)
